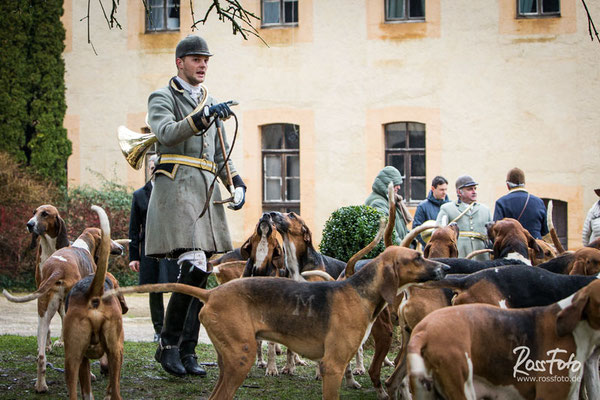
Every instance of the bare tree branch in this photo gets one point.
(591, 25)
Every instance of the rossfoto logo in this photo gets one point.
(525, 365)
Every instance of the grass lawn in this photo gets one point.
(143, 378)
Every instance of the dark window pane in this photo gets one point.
(417, 165)
(417, 189)
(290, 9)
(156, 15)
(416, 8)
(293, 189)
(293, 166)
(395, 136)
(272, 136)
(292, 209)
(270, 12)
(292, 136)
(550, 6)
(395, 9)
(173, 14)
(527, 6)
(397, 160)
(416, 135)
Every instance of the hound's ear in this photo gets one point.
(306, 234)
(578, 268)
(426, 250)
(567, 319)
(453, 250)
(34, 240)
(246, 249)
(489, 227)
(390, 285)
(277, 253)
(531, 242)
(61, 239)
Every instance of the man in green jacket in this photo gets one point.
(184, 119)
(470, 216)
(378, 199)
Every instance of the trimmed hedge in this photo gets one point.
(349, 229)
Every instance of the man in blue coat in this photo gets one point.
(429, 208)
(519, 204)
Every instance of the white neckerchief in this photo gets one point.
(194, 91)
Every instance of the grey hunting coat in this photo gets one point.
(176, 202)
(474, 221)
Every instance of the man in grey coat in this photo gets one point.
(185, 120)
(470, 216)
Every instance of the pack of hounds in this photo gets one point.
(523, 325)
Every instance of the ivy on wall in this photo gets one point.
(32, 86)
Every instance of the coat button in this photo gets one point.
(205, 144)
(205, 155)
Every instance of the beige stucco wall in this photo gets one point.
(494, 92)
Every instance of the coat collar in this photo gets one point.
(176, 86)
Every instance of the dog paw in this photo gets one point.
(382, 394)
(261, 364)
(358, 371)
(388, 363)
(93, 377)
(288, 370)
(58, 343)
(299, 361)
(271, 372)
(353, 384)
(41, 387)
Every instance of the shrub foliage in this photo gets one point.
(350, 229)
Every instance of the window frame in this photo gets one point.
(539, 13)
(281, 22)
(407, 152)
(148, 27)
(282, 205)
(407, 17)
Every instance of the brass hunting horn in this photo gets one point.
(134, 145)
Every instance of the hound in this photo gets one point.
(308, 318)
(47, 225)
(263, 250)
(300, 253)
(443, 242)
(59, 273)
(536, 353)
(94, 325)
(511, 240)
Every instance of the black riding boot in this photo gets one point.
(167, 352)
(157, 311)
(189, 339)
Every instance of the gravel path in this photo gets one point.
(22, 319)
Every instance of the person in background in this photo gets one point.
(378, 199)
(151, 270)
(470, 216)
(591, 226)
(521, 205)
(428, 209)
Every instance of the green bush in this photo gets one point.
(349, 229)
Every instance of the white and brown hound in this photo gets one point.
(480, 351)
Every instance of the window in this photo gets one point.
(163, 15)
(405, 150)
(279, 12)
(404, 10)
(281, 167)
(537, 8)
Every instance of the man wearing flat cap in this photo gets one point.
(521, 205)
(186, 122)
(470, 216)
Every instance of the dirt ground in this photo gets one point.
(22, 319)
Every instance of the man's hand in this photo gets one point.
(134, 266)
(220, 110)
(239, 198)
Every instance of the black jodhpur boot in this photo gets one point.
(168, 353)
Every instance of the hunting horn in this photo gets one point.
(135, 145)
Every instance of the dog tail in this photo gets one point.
(452, 281)
(361, 253)
(391, 224)
(97, 286)
(55, 279)
(317, 273)
(421, 383)
(478, 252)
(202, 294)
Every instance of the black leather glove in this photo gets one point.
(221, 110)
